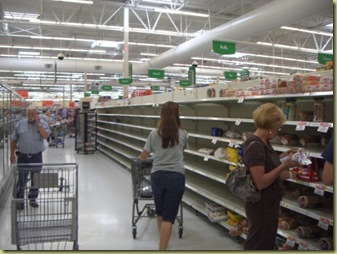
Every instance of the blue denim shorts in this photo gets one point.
(168, 189)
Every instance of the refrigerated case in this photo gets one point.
(85, 131)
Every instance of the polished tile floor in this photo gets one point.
(105, 211)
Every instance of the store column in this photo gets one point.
(126, 51)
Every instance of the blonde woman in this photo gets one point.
(267, 172)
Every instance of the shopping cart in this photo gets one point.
(142, 191)
(54, 223)
(59, 131)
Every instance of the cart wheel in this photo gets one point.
(76, 246)
(180, 232)
(134, 232)
(150, 212)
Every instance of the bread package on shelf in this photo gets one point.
(310, 201)
(207, 151)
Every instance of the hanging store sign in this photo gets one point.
(94, 92)
(155, 88)
(152, 73)
(130, 70)
(125, 81)
(87, 94)
(224, 47)
(106, 88)
(71, 104)
(47, 103)
(185, 83)
(244, 74)
(323, 58)
(22, 93)
(230, 75)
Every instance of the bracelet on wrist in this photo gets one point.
(290, 174)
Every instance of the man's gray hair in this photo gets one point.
(32, 107)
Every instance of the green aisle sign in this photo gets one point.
(86, 94)
(323, 58)
(152, 73)
(230, 75)
(106, 88)
(125, 81)
(94, 92)
(244, 73)
(185, 83)
(130, 70)
(155, 88)
(224, 47)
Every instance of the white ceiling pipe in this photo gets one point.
(199, 71)
(36, 64)
(65, 65)
(270, 16)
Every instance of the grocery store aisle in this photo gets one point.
(105, 210)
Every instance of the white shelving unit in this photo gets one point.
(124, 126)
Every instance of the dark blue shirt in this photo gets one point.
(328, 152)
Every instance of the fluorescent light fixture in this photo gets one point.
(306, 31)
(330, 25)
(91, 51)
(292, 47)
(20, 15)
(29, 53)
(74, 1)
(187, 13)
(170, 11)
(105, 44)
(148, 54)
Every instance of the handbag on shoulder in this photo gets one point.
(240, 183)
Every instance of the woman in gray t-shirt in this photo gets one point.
(167, 143)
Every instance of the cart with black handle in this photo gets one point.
(142, 191)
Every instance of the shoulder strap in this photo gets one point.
(251, 143)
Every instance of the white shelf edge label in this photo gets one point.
(323, 127)
(319, 189)
(241, 98)
(301, 126)
(206, 158)
(238, 121)
(291, 241)
(303, 246)
(324, 223)
(214, 140)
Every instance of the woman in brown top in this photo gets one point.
(267, 172)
